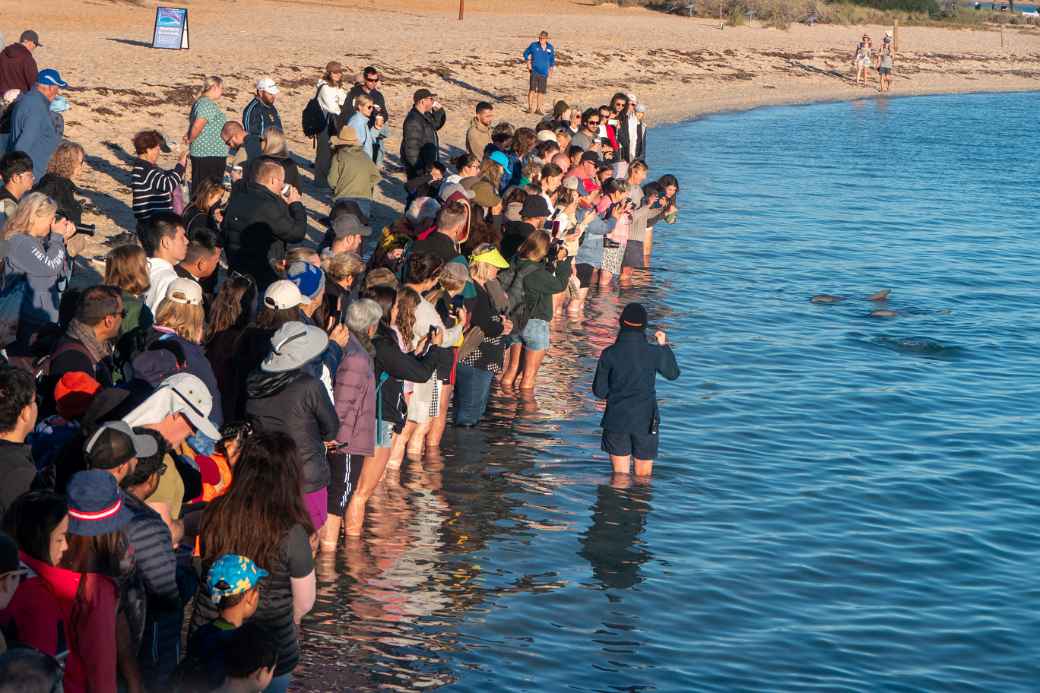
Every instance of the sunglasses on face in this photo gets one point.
(372, 79)
(593, 123)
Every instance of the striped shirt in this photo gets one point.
(151, 187)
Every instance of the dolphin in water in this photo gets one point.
(831, 298)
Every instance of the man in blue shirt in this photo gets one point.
(541, 61)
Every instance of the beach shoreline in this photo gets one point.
(681, 69)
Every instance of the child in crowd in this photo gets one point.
(250, 660)
(233, 584)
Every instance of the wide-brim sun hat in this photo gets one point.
(294, 345)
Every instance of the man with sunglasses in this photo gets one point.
(86, 346)
(588, 136)
(369, 86)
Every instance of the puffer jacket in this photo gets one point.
(420, 146)
(296, 403)
(355, 392)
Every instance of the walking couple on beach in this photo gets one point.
(865, 58)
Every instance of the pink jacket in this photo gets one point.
(354, 393)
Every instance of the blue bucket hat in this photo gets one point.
(95, 504)
(232, 574)
(51, 78)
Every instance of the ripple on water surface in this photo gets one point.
(842, 502)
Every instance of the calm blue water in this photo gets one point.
(842, 502)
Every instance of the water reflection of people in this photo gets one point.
(612, 545)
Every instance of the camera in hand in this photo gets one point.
(85, 229)
(554, 252)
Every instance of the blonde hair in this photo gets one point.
(362, 100)
(303, 254)
(274, 142)
(126, 267)
(208, 83)
(481, 272)
(342, 265)
(67, 157)
(32, 207)
(187, 321)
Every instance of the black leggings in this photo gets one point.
(203, 167)
(345, 470)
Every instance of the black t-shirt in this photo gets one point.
(275, 612)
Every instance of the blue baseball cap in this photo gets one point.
(308, 279)
(51, 78)
(500, 158)
(232, 574)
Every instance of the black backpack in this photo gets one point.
(512, 281)
(314, 119)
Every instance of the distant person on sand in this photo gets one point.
(541, 61)
(207, 149)
(260, 113)
(863, 60)
(420, 148)
(331, 98)
(625, 377)
(17, 65)
(478, 135)
(884, 63)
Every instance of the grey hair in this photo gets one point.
(362, 314)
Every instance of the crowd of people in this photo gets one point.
(184, 436)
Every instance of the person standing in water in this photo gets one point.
(625, 377)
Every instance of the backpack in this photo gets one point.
(143, 354)
(314, 119)
(512, 281)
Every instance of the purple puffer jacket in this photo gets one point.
(355, 396)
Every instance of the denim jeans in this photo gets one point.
(472, 389)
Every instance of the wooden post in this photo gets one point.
(895, 36)
(1002, 36)
(462, 8)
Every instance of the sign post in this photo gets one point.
(171, 28)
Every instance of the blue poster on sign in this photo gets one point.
(171, 28)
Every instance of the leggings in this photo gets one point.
(203, 167)
(345, 470)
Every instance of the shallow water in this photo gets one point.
(841, 503)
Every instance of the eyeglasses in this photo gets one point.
(373, 80)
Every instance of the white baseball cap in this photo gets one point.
(184, 291)
(283, 294)
(546, 136)
(266, 84)
(182, 393)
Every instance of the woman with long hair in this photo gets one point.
(126, 268)
(36, 251)
(263, 517)
(331, 97)
(395, 363)
(207, 148)
(203, 212)
(63, 168)
(355, 398)
(229, 316)
(540, 284)
(274, 146)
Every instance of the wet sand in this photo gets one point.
(678, 67)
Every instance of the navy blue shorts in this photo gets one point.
(642, 446)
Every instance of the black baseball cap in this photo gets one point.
(421, 94)
(535, 206)
(115, 444)
(590, 156)
(30, 35)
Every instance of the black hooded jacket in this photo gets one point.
(296, 403)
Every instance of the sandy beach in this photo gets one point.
(678, 67)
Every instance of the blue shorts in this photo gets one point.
(536, 335)
(642, 446)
